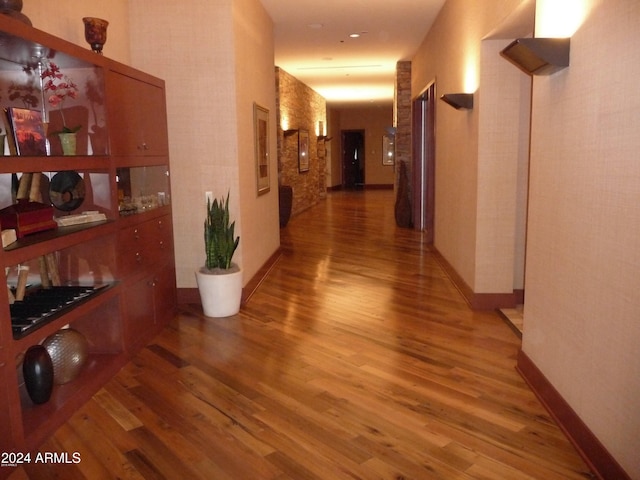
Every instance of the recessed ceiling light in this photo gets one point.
(354, 35)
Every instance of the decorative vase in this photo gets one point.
(285, 198)
(95, 33)
(68, 142)
(13, 8)
(68, 350)
(220, 294)
(37, 369)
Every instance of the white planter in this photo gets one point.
(220, 294)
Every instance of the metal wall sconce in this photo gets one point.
(538, 56)
(459, 100)
(291, 131)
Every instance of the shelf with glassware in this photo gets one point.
(46, 92)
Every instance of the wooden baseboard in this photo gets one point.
(478, 301)
(366, 186)
(191, 295)
(588, 446)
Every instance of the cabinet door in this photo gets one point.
(138, 112)
(154, 119)
(165, 294)
(6, 433)
(139, 316)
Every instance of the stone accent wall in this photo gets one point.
(300, 108)
(402, 118)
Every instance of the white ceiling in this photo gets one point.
(312, 43)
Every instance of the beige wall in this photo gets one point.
(581, 323)
(373, 121)
(216, 62)
(582, 320)
(476, 164)
(63, 19)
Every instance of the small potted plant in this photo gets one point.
(220, 280)
(61, 87)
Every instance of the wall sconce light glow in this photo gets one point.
(556, 19)
(320, 129)
(470, 75)
(284, 123)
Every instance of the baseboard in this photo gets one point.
(253, 284)
(366, 186)
(478, 301)
(191, 295)
(588, 446)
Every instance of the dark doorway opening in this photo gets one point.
(353, 159)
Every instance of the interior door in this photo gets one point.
(424, 162)
(352, 159)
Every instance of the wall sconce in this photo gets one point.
(321, 134)
(458, 100)
(291, 131)
(538, 56)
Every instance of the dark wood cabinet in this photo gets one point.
(146, 265)
(139, 109)
(127, 258)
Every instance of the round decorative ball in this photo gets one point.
(68, 350)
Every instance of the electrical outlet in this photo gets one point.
(208, 197)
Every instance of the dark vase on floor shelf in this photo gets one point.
(37, 369)
(285, 197)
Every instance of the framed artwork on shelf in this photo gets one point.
(28, 131)
(388, 150)
(303, 150)
(261, 140)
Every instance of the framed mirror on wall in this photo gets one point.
(388, 150)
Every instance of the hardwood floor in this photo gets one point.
(356, 358)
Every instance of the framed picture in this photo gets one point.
(303, 150)
(388, 150)
(28, 131)
(261, 140)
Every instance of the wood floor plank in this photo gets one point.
(356, 358)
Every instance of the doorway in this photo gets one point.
(424, 162)
(353, 159)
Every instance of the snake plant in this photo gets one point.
(219, 241)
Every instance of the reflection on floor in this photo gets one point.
(514, 318)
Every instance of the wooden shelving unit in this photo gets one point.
(140, 296)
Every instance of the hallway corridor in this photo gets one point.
(356, 358)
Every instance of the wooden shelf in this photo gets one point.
(38, 420)
(38, 244)
(36, 335)
(10, 164)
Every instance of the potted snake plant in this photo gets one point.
(220, 279)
